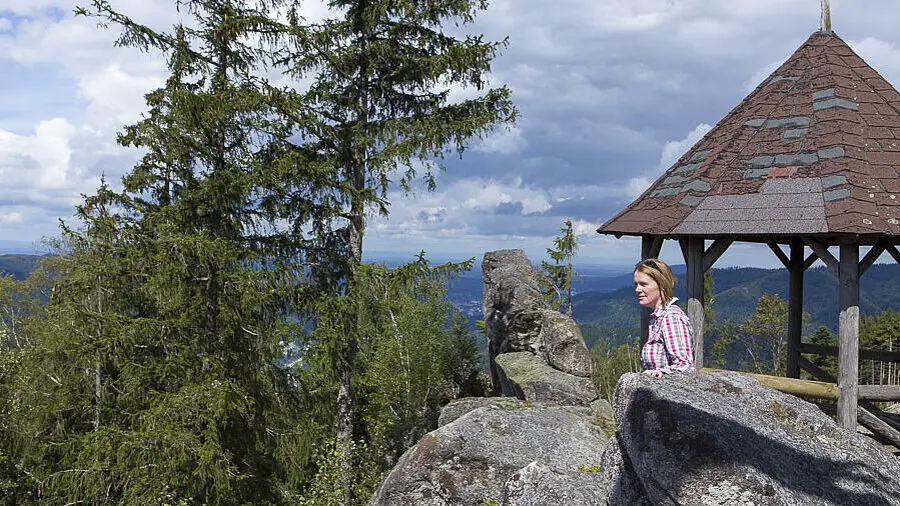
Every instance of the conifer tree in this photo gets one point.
(561, 273)
(163, 336)
(381, 114)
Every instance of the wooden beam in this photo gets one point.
(793, 386)
(890, 248)
(832, 351)
(650, 248)
(780, 254)
(811, 259)
(714, 252)
(872, 256)
(848, 337)
(879, 393)
(822, 252)
(694, 247)
(884, 431)
(795, 306)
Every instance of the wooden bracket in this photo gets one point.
(715, 251)
(780, 254)
(824, 255)
(873, 255)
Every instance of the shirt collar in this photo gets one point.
(661, 309)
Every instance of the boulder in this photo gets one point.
(460, 407)
(724, 438)
(510, 287)
(553, 336)
(472, 459)
(538, 485)
(524, 375)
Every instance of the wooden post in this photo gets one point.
(694, 259)
(848, 358)
(795, 308)
(650, 248)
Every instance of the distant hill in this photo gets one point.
(18, 265)
(736, 291)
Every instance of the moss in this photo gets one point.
(593, 468)
(512, 404)
(784, 414)
(607, 425)
(524, 370)
(490, 502)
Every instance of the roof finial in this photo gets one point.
(826, 16)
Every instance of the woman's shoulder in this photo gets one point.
(672, 310)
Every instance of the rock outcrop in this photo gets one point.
(708, 439)
(725, 438)
(704, 439)
(519, 320)
(482, 456)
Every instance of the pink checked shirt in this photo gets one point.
(670, 341)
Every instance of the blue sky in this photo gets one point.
(610, 94)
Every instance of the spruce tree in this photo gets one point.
(163, 336)
(379, 116)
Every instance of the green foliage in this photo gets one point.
(592, 468)
(824, 337)
(560, 275)
(612, 362)
(416, 354)
(765, 333)
(879, 331)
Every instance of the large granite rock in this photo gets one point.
(724, 438)
(553, 336)
(537, 485)
(518, 319)
(478, 457)
(524, 375)
(510, 288)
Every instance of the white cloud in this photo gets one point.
(673, 150)
(11, 217)
(504, 141)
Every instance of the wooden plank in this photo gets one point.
(872, 256)
(715, 251)
(694, 260)
(824, 255)
(848, 336)
(811, 259)
(795, 307)
(832, 351)
(780, 254)
(650, 248)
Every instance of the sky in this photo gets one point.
(609, 94)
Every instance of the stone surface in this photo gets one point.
(538, 485)
(471, 459)
(893, 409)
(460, 407)
(510, 287)
(527, 377)
(553, 336)
(723, 438)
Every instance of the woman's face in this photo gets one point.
(647, 290)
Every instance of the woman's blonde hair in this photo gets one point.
(662, 274)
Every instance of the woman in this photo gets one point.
(670, 341)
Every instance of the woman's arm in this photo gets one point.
(676, 332)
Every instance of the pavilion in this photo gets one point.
(809, 160)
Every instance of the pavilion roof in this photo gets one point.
(814, 150)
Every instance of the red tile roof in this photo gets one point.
(814, 150)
